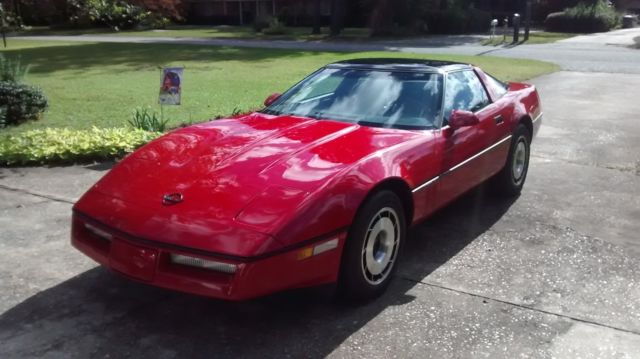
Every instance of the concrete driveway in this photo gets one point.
(552, 274)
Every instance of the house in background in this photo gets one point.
(244, 12)
(631, 6)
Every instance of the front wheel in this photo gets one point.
(510, 180)
(373, 246)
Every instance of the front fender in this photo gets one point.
(332, 208)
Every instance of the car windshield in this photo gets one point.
(395, 99)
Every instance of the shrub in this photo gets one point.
(596, 17)
(478, 20)
(143, 119)
(276, 27)
(64, 146)
(456, 20)
(12, 70)
(20, 102)
(261, 22)
(156, 21)
(10, 20)
(116, 14)
(167, 9)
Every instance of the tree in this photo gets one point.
(174, 9)
(388, 16)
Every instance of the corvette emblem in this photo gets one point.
(172, 198)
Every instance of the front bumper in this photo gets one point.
(150, 262)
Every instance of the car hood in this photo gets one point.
(251, 172)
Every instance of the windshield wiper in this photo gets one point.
(316, 115)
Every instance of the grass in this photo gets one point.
(212, 32)
(100, 84)
(537, 37)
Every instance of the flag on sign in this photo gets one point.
(171, 86)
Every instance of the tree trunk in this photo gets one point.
(316, 17)
(17, 9)
(381, 19)
(337, 17)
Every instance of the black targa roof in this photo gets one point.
(401, 64)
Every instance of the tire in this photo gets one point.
(510, 180)
(373, 247)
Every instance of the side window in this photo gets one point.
(464, 92)
(499, 88)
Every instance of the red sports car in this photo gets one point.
(319, 187)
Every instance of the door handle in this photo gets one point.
(499, 119)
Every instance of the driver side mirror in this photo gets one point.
(271, 99)
(461, 118)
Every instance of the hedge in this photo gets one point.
(65, 146)
(584, 18)
(456, 20)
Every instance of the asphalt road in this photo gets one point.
(554, 273)
(603, 52)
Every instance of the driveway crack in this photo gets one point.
(38, 194)
(625, 169)
(522, 306)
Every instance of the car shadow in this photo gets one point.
(101, 314)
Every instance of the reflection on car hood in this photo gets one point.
(221, 166)
(239, 157)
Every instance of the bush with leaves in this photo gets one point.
(585, 17)
(116, 14)
(65, 146)
(20, 102)
(125, 14)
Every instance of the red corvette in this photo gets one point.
(319, 187)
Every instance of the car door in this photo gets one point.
(502, 109)
(463, 164)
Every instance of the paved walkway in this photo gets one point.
(624, 37)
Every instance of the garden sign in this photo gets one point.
(171, 85)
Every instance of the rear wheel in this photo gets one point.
(510, 180)
(373, 246)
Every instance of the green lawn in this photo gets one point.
(100, 84)
(538, 37)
